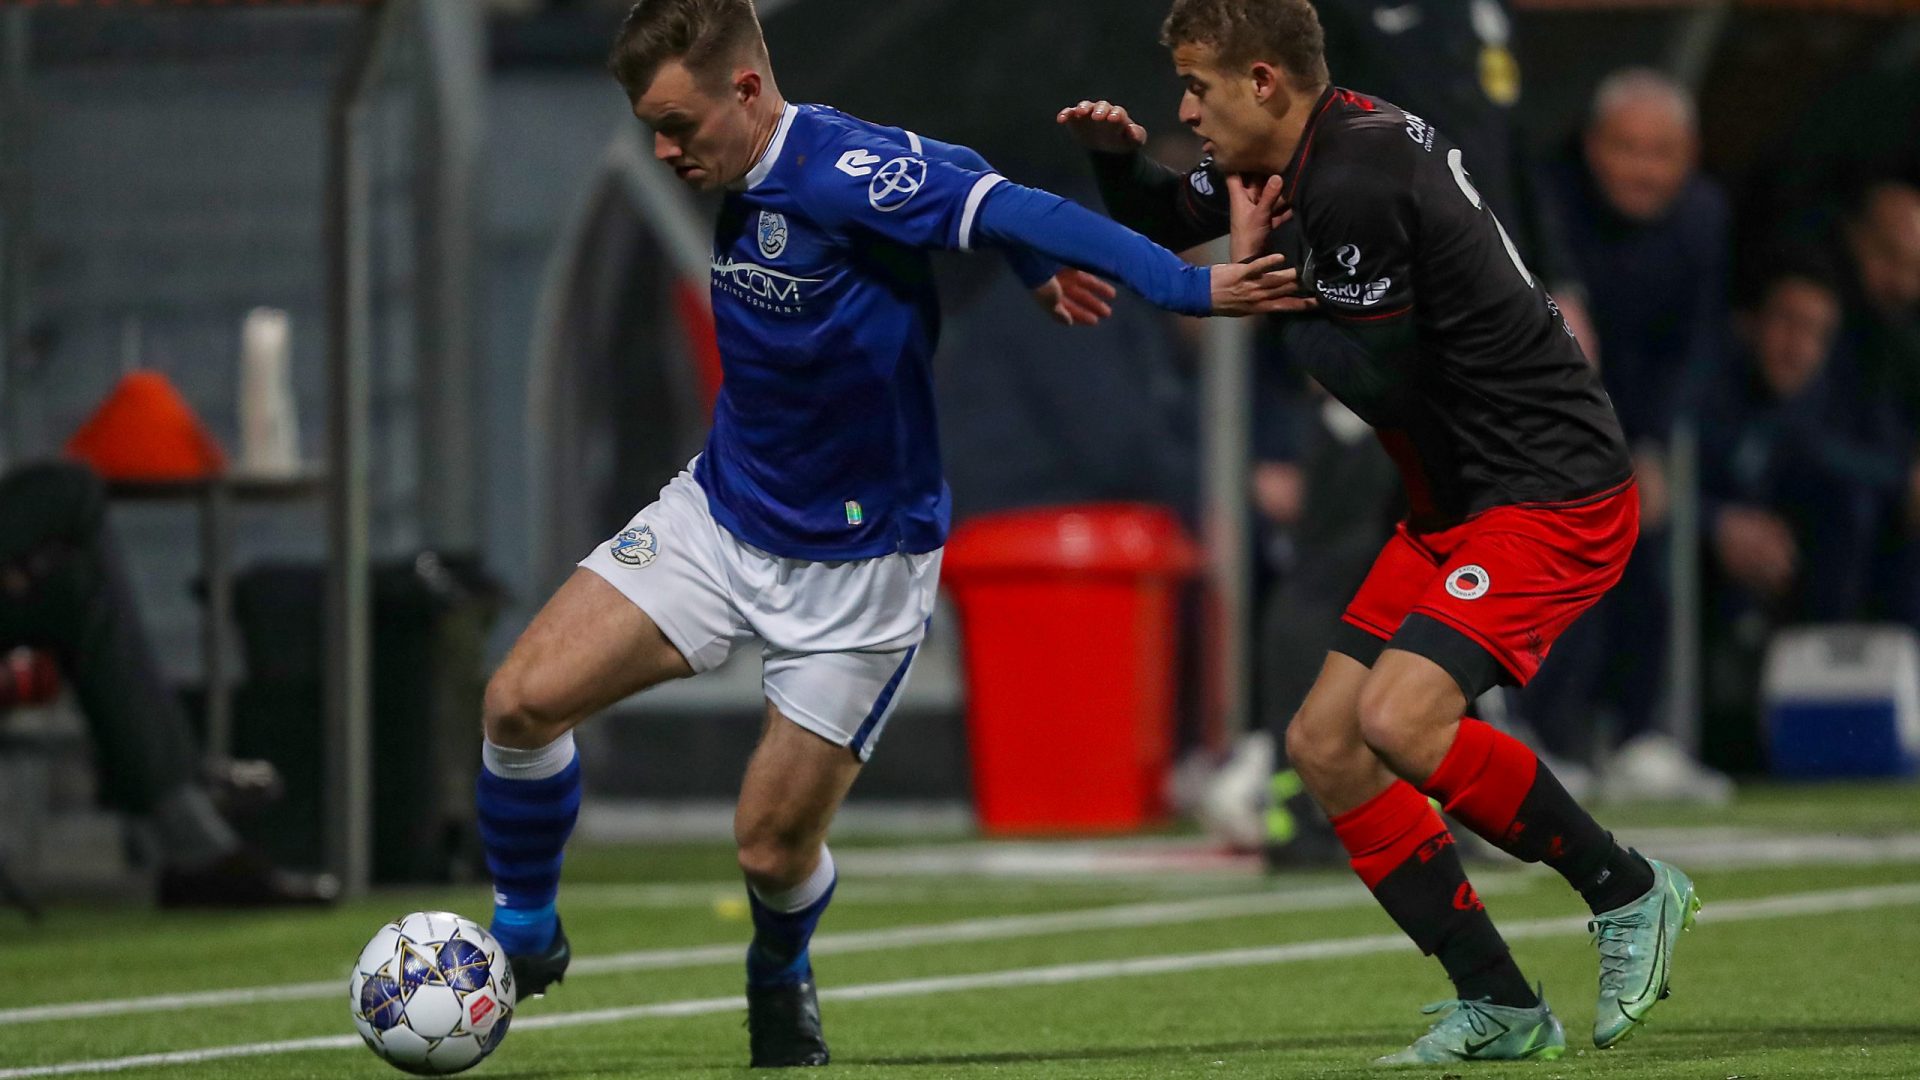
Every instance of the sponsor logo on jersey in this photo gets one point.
(1362, 293)
(857, 163)
(897, 182)
(636, 547)
(761, 286)
(1469, 582)
(1421, 132)
(773, 234)
(1349, 257)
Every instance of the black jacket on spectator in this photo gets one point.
(1818, 462)
(1883, 353)
(1657, 292)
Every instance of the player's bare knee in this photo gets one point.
(773, 861)
(512, 715)
(1325, 750)
(1310, 750)
(1392, 716)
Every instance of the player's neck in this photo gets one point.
(772, 107)
(1289, 128)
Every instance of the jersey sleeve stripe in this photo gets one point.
(974, 199)
(914, 141)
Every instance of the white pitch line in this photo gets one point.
(1723, 848)
(1773, 907)
(993, 928)
(1718, 847)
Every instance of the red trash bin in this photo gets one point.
(1070, 619)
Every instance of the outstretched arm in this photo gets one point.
(1012, 215)
(1175, 210)
(1033, 270)
(1070, 297)
(925, 202)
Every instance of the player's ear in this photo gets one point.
(1266, 81)
(746, 85)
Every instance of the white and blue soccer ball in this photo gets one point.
(432, 993)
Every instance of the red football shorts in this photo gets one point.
(1487, 598)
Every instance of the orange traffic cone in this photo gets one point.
(146, 431)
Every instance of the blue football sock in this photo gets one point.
(528, 800)
(783, 924)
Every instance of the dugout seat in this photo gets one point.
(32, 735)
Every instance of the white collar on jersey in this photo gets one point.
(758, 174)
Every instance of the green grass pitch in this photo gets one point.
(1806, 963)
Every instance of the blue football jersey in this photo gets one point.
(825, 445)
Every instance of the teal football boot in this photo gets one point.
(1480, 1031)
(1636, 952)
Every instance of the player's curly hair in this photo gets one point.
(1286, 32)
(708, 36)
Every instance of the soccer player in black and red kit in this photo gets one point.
(1523, 504)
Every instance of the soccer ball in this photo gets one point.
(432, 993)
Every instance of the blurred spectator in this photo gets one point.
(1828, 143)
(1650, 235)
(63, 590)
(1791, 483)
(1881, 292)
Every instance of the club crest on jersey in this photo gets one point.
(636, 547)
(1201, 182)
(896, 183)
(1469, 582)
(773, 234)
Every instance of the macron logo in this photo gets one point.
(857, 163)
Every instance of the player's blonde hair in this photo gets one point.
(710, 37)
(1285, 32)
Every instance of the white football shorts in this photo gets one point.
(837, 639)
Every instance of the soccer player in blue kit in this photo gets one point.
(813, 521)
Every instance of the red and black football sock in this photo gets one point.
(1405, 855)
(1494, 785)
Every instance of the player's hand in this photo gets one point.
(1075, 298)
(1757, 549)
(1256, 210)
(1261, 287)
(1280, 491)
(1103, 126)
